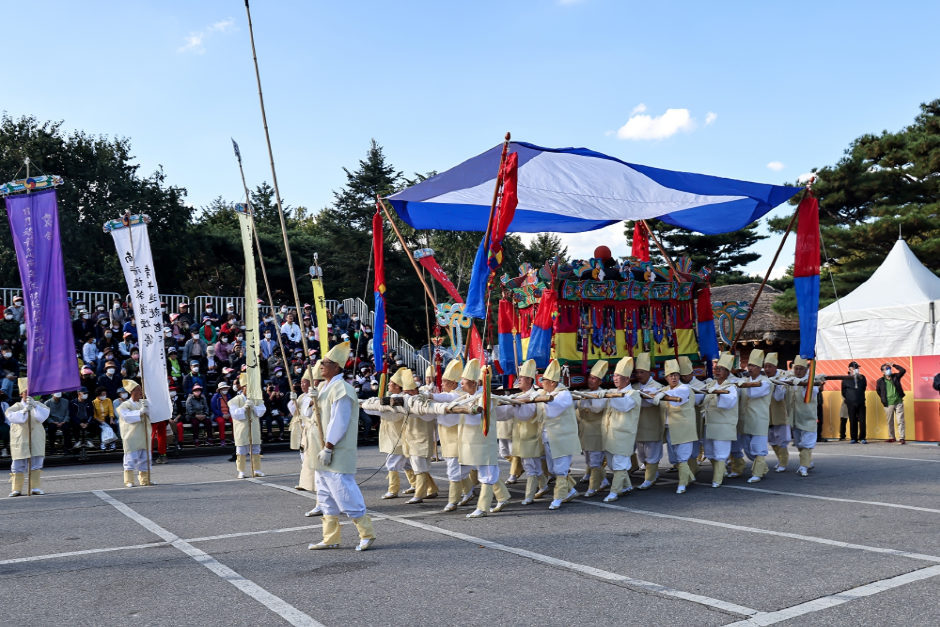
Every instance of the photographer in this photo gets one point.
(276, 402)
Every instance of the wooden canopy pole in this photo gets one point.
(661, 249)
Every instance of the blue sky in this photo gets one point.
(757, 91)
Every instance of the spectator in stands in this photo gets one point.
(101, 325)
(184, 315)
(90, 351)
(341, 319)
(108, 340)
(4, 427)
(237, 358)
(130, 369)
(130, 326)
(174, 369)
(207, 332)
(9, 370)
(192, 379)
(110, 381)
(853, 393)
(297, 366)
(84, 325)
(197, 411)
(281, 317)
(17, 310)
(267, 344)
(101, 313)
(275, 361)
(291, 330)
(220, 413)
(57, 421)
(107, 355)
(103, 409)
(275, 401)
(169, 339)
(89, 378)
(891, 392)
(82, 416)
(213, 368)
(223, 348)
(231, 326)
(177, 415)
(195, 349)
(117, 314)
(230, 311)
(210, 313)
(308, 310)
(267, 326)
(126, 345)
(9, 329)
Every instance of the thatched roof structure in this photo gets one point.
(765, 326)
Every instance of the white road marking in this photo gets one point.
(822, 603)
(832, 498)
(37, 558)
(277, 605)
(587, 570)
(303, 493)
(903, 459)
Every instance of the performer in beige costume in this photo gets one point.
(721, 418)
(698, 389)
(591, 430)
(27, 441)
(246, 425)
(135, 437)
(757, 416)
(804, 417)
(649, 432)
(526, 434)
(448, 427)
(681, 431)
(335, 464)
(390, 442)
(619, 429)
(417, 438)
(779, 435)
(298, 426)
(559, 433)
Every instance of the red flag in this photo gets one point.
(506, 211)
(434, 268)
(641, 242)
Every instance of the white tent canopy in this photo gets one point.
(889, 315)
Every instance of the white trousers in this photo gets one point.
(558, 466)
(532, 466)
(679, 453)
(255, 450)
(136, 460)
(754, 446)
(488, 475)
(20, 465)
(456, 472)
(804, 439)
(718, 450)
(618, 462)
(505, 447)
(338, 493)
(397, 463)
(779, 435)
(594, 459)
(649, 452)
(420, 464)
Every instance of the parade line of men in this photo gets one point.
(539, 430)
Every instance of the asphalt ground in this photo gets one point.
(855, 543)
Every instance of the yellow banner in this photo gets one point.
(252, 352)
(319, 302)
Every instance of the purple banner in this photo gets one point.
(50, 345)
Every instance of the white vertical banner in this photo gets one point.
(252, 350)
(137, 262)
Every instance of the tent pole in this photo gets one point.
(661, 249)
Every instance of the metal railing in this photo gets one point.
(172, 301)
(7, 294)
(408, 354)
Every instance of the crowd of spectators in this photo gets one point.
(205, 353)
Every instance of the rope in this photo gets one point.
(838, 304)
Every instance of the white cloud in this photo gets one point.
(776, 166)
(710, 117)
(660, 127)
(194, 42)
(640, 108)
(805, 178)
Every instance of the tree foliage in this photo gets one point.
(882, 185)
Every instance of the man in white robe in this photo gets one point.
(27, 442)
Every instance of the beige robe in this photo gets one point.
(652, 419)
(527, 434)
(247, 431)
(620, 427)
(474, 448)
(591, 424)
(681, 420)
(20, 432)
(134, 435)
(344, 451)
(721, 423)
(757, 413)
(562, 430)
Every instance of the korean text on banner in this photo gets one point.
(251, 310)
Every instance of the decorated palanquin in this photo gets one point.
(608, 310)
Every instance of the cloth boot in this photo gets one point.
(693, 468)
(331, 532)
(432, 487)
(561, 488)
(486, 498)
(737, 465)
(759, 468)
(453, 495)
(515, 466)
(255, 463)
(500, 491)
(685, 474)
(783, 456)
(651, 470)
(129, 477)
(34, 479)
(394, 482)
(474, 478)
(806, 457)
(543, 480)
(421, 485)
(545, 472)
(634, 463)
(240, 463)
(16, 480)
(597, 476)
(144, 477)
(776, 450)
(467, 485)
(531, 485)
(617, 483)
(719, 471)
(364, 525)
(412, 480)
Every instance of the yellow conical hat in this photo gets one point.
(553, 372)
(129, 385)
(471, 372)
(756, 358)
(726, 361)
(339, 354)
(772, 358)
(600, 369)
(454, 371)
(624, 367)
(672, 367)
(429, 374)
(243, 380)
(313, 374)
(642, 362)
(685, 365)
(21, 382)
(528, 369)
(799, 361)
(407, 379)
(396, 378)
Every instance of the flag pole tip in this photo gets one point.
(508, 136)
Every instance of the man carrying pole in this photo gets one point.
(246, 425)
(27, 442)
(135, 434)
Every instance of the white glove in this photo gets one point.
(325, 456)
(293, 396)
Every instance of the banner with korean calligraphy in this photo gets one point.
(50, 344)
(137, 263)
(251, 308)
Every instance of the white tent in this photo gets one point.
(889, 315)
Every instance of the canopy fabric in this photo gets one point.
(887, 315)
(572, 190)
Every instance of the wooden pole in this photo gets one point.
(661, 249)
(499, 184)
(750, 309)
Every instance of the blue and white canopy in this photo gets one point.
(572, 190)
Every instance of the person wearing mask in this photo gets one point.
(267, 325)
(82, 417)
(132, 413)
(229, 326)
(103, 412)
(291, 331)
(853, 395)
(88, 378)
(17, 310)
(169, 340)
(9, 371)
(174, 368)
(220, 411)
(197, 411)
(117, 315)
(177, 416)
(230, 311)
(126, 345)
(107, 355)
(274, 399)
(281, 316)
(101, 313)
(341, 320)
(130, 369)
(223, 348)
(108, 340)
(110, 380)
(211, 315)
(9, 330)
(267, 344)
(27, 441)
(208, 333)
(184, 314)
(246, 426)
(195, 349)
(131, 326)
(891, 393)
(58, 421)
(192, 378)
